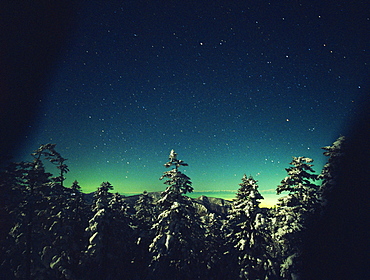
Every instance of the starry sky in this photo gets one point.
(233, 86)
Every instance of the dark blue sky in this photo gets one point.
(234, 88)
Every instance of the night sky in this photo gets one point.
(233, 86)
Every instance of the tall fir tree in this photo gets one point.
(144, 213)
(330, 171)
(108, 253)
(96, 259)
(249, 233)
(294, 213)
(67, 230)
(177, 249)
(215, 248)
(20, 247)
(38, 199)
(143, 220)
(122, 235)
(49, 153)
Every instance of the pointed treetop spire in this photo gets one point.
(174, 161)
(178, 182)
(173, 155)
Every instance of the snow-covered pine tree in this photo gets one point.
(68, 221)
(61, 228)
(122, 237)
(23, 181)
(50, 154)
(178, 182)
(144, 213)
(98, 256)
(249, 233)
(330, 170)
(10, 197)
(178, 247)
(143, 220)
(108, 253)
(215, 242)
(36, 191)
(293, 213)
(299, 183)
(77, 223)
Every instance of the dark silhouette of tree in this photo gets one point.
(337, 246)
(48, 151)
(330, 171)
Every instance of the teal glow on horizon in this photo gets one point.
(222, 182)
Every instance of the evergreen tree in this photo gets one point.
(144, 213)
(143, 220)
(122, 237)
(215, 244)
(330, 171)
(78, 221)
(108, 253)
(67, 228)
(36, 193)
(294, 213)
(177, 248)
(96, 260)
(49, 153)
(55, 218)
(9, 197)
(178, 182)
(303, 193)
(249, 233)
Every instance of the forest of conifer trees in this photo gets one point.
(52, 231)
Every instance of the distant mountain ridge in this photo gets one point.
(203, 204)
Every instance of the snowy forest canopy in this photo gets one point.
(51, 231)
